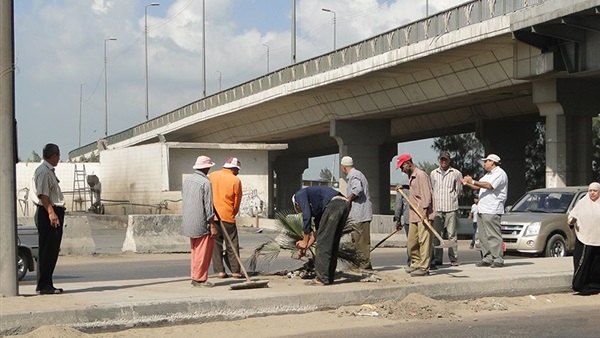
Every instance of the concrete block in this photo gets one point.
(155, 233)
(77, 237)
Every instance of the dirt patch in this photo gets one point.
(414, 307)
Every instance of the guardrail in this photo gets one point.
(450, 20)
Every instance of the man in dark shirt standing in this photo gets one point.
(330, 211)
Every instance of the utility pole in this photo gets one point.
(146, 50)
(267, 56)
(293, 32)
(80, 109)
(203, 48)
(8, 210)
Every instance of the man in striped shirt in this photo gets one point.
(198, 224)
(447, 188)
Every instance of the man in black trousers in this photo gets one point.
(330, 209)
(49, 218)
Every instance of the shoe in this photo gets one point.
(223, 275)
(237, 275)
(419, 273)
(409, 269)
(471, 247)
(454, 264)
(482, 263)
(315, 282)
(497, 265)
(433, 267)
(52, 291)
(205, 284)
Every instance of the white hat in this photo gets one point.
(232, 162)
(203, 162)
(347, 161)
(492, 157)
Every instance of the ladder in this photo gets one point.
(81, 191)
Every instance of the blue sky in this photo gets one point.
(59, 47)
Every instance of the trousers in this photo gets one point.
(49, 239)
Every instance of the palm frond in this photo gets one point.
(290, 227)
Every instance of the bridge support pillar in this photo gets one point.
(365, 141)
(289, 179)
(568, 106)
(507, 139)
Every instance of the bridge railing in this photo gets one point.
(452, 19)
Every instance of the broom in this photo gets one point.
(248, 284)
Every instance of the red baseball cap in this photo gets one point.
(401, 159)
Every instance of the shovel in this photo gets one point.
(248, 284)
(385, 239)
(443, 243)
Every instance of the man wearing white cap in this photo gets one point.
(361, 210)
(198, 224)
(227, 195)
(493, 190)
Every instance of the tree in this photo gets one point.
(36, 156)
(465, 151)
(426, 166)
(326, 175)
(535, 159)
(596, 149)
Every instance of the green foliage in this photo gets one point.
(427, 166)
(326, 175)
(94, 157)
(36, 156)
(289, 225)
(535, 159)
(465, 151)
(596, 149)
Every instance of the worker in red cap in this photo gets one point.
(419, 235)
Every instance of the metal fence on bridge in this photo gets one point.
(435, 25)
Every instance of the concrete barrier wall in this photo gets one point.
(162, 233)
(155, 233)
(77, 237)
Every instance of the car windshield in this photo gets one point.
(546, 202)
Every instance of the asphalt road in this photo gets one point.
(111, 264)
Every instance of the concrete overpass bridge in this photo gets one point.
(495, 67)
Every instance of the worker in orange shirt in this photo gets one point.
(227, 197)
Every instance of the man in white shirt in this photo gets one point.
(493, 190)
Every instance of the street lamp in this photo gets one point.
(146, 49)
(80, 105)
(106, 89)
(219, 79)
(334, 28)
(267, 56)
(203, 48)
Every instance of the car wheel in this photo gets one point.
(556, 246)
(21, 265)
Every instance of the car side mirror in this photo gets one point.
(507, 208)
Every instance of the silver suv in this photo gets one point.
(537, 223)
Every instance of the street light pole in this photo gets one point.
(219, 79)
(80, 105)
(203, 48)
(106, 89)
(426, 8)
(293, 31)
(146, 49)
(334, 27)
(267, 56)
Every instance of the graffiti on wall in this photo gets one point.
(252, 204)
